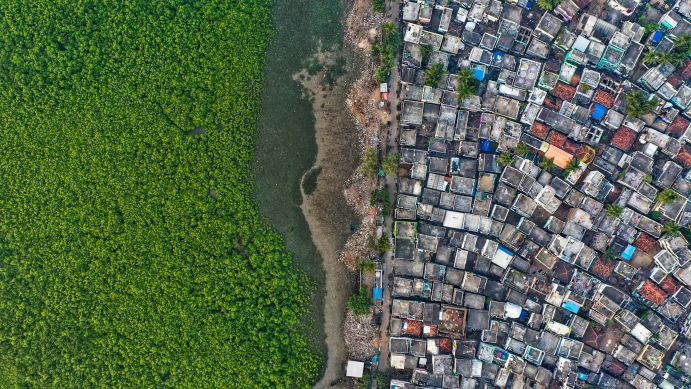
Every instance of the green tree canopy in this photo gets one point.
(360, 303)
(638, 105)
(132, 253)
(434, 74)
(467, 84)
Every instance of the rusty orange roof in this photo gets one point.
(556, 139)
(446, 344)
(623, 139)
(561, 157)
(684, 156)
(413, 327)
(563, 91)
(551, 104)
(540, 130)
(669, 285)
(603, 268)
(571, 147)
(652, 292)
(686, 70)
(645, 242)
(604, 98)
(678, 126)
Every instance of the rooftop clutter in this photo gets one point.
(542, 218)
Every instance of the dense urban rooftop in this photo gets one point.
(542, 217)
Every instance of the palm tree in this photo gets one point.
(522, 148)
(670, 228)
(667, 196)
(638, 105)
(390, 164)
(681, 50)
(467, 84)
(573, 165)
(614, 210)
(683, 42)
(547, 5)
(434, 74)
(388, 27)
(665, 58)
(651, 57)
(367, 265)
(547, 164)
(505, 159)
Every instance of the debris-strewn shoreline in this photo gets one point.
(360, 29)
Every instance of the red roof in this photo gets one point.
(604, 98)
(613, 195)
(652, 292)
(674, 80)
(645, 242)
(669, 285)
(686, 71)
(614, 367)
(678, 126)
(563, 91)
(571, 147)
(446, 344)
(556, 139)
(540, 130)
(603, 268)
(551, 104)
(684, 156)
(432, 331)
(624, 138)
(413, 327)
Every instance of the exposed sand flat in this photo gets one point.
(324, 208)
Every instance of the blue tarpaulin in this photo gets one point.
(599, 112)
(479, 73)
(497, 57)
(485, 145)
(377, 293)
(627, 254)
(657, 37)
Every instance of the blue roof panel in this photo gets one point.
(599, 112)
(479, 74)
(571, 306)
(627, 254)
(377, 293)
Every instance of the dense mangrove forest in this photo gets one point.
(131, 253)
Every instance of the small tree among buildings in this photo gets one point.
(613, 210)
(467, 84)
(667, 196)
(434, 74)
(360, 303)
(506, 158)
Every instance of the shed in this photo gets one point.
(355, 369)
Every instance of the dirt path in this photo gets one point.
(324, 208)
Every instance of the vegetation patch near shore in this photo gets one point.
(131, 253)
